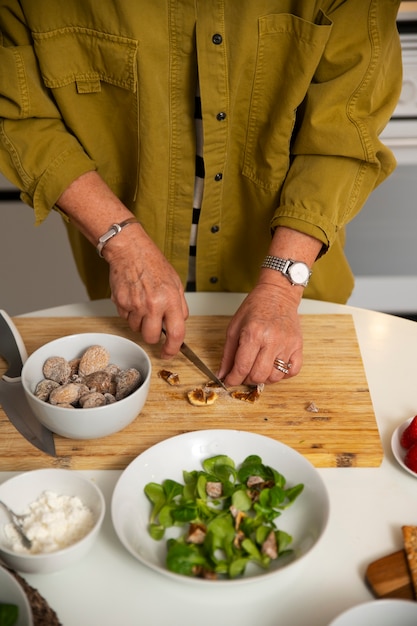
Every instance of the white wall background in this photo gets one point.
(37, 269)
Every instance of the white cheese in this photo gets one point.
(52, 522)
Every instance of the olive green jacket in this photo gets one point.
(305, 87)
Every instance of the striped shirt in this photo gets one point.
(198, 195)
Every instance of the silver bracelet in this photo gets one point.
(112, 232)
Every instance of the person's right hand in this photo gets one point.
(146, 289)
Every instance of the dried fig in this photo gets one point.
(92, 399)
(94, 358)
(100, 381)
(44, 388)
(57, 368)
(65, 394)
(127, 381)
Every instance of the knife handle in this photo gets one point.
(12, 348)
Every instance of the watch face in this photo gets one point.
(299, 273)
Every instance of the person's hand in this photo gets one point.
(146, 289)
(266, 327)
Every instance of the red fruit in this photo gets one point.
(411, 458)
(409, 436)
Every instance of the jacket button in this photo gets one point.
(221, 116)
(213, 280)
(218, 176)
(217, 39)
(215, 228)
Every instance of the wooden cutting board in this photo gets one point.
(342, 433)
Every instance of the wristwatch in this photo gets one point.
(297, 272)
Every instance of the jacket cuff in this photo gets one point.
(56, 179)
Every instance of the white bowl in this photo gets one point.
(398, 451)
(11, 592)
(379, 613)
(20, 491)
(305, 519)
(94, 422)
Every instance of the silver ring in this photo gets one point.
(282, 366)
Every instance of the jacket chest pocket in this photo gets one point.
(289, 50)
(92, 76)
(87, 58)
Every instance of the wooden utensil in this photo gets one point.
(389, 577)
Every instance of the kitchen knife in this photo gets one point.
(12, 395)
(191, 356)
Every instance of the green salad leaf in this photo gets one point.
(227, 516)
(8, 614)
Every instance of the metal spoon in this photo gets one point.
(16, 521)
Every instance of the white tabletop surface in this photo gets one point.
(368, 507)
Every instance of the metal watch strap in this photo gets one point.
(276, 263)
(112, 232)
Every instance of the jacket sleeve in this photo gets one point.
(337, 156)
(37, 152)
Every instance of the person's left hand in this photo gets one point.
(266, 327)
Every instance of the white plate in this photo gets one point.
(305, 520)
(11, 592)
(385, 612)
(397, 449)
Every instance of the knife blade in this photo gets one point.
(12, 395)
(192, 356)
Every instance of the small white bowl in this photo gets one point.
(21, 490)
(305, 520)
(379, 613)
(398, 451)
(11, 592)
(94, 422)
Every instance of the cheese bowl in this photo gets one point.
(98, 421)
(63, 513)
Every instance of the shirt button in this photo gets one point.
(217, 39)
(213, 280)
(218, 176)
(221, 116)
(215, 229)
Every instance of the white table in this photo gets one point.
(368, 506)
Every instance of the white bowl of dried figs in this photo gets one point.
(87, 385)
